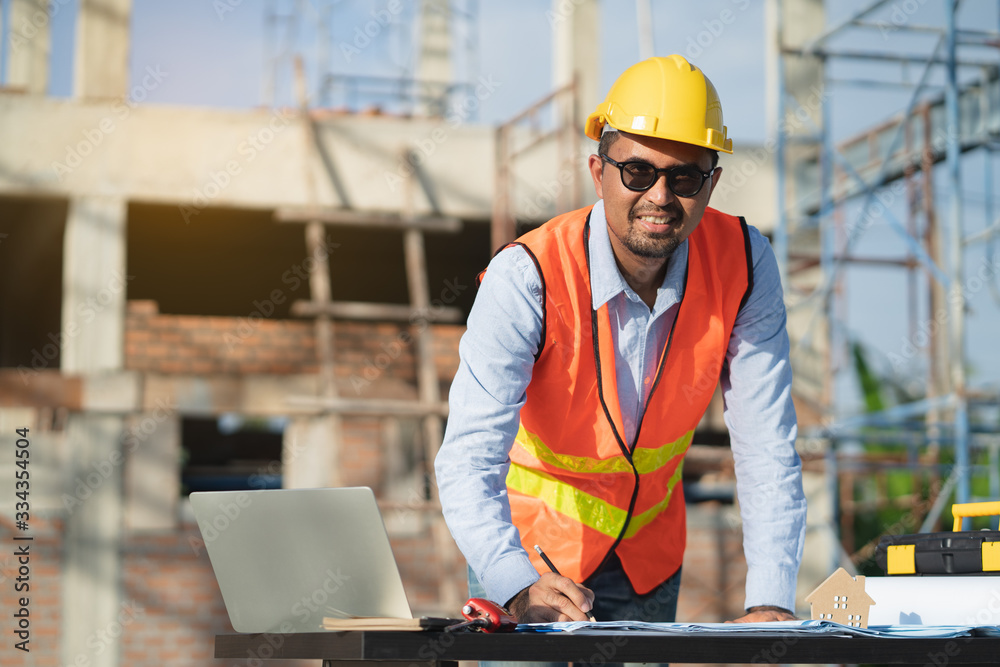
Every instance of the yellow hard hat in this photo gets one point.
(667, 98)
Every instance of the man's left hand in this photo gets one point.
(765, 614)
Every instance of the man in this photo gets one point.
(592, 352)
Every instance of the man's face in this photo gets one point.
(650, 224)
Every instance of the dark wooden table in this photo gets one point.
(409, 649)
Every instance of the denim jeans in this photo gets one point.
(614, 600)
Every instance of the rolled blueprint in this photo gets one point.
(951, 600)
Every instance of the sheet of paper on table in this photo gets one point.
(807, 627)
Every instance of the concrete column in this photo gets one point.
(577, 50)
(92, 578)
(803, 21)
(434, 70)
(152, 474)
(92, 341)
(310, 453)
(102, 45)
(94, 285)
(29, 46)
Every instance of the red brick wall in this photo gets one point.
(44, 594)
(172, 605)
(423, 567)
(361, 455)
(367, 354)
(169, 577)
(237, 345)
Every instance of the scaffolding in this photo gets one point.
(831, 192)
(401, 58)
(519, 138)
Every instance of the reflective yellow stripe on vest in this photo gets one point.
(564, 498)
(589, 510)
(646, 460)
(640, 521)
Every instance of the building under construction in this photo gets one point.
(199, 299)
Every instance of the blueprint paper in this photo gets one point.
(807, 627)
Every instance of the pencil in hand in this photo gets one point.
(552, 566)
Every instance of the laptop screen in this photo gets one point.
(287, 558)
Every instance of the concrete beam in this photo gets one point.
(26, 387)
(29, 46)
(112, 393)
(196, 158)
(102, 44)
(107, 393)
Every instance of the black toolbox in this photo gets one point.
(964, 552)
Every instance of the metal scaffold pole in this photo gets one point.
(775, 8)
(956, 298)
(821, 180)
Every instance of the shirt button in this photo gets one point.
(647, 380)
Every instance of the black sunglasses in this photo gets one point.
(683, 180)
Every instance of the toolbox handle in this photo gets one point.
(963, 510)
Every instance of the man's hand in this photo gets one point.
(765, 614)
(552, 598)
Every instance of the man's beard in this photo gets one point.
(657, 246)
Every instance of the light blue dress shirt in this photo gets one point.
(497, 356)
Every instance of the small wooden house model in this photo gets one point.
(841, 599)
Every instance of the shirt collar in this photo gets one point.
(606, 281)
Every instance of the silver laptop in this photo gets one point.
(287, 558)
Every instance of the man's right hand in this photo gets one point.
(552, 598)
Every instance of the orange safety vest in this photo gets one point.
(575, 486)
